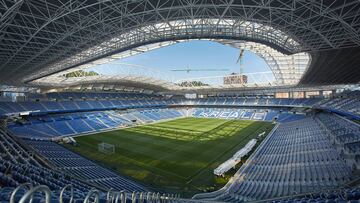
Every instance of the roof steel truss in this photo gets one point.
(39, 37)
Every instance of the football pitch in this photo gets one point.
(176, 156)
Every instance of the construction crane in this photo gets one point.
(188, 70)
(240, 61)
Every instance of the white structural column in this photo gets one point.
(287, 69)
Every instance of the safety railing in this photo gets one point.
(26, 192)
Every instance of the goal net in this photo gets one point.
(106, 148)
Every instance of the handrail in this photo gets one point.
(109, 195)
(141, 197)
(133, 197)
(93, 195)
(39, 188)
(113, 196)
(122, 196)
(13, 194)
(37, 157)
(62, 193)
(90, 194)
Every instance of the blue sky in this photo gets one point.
(197, 54)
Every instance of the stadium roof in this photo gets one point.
(41, 37)
(285, 70)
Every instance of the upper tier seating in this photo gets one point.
(60, 102)
(71, 106)
(243, 101)
(90, 95)
(351, 105)
(348, 102)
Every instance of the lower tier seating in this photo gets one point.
(342, 196)
(18, 166)
(57, 125)
(72, 163)
(247, 114)
(296, 158)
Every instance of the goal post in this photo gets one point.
(106, 148)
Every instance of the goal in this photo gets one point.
(106, 148)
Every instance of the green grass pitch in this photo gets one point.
(176, 156)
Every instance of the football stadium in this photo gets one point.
(156, 101)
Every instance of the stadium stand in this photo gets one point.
(19, 166)
(64, 106)
(71, 163)
(70, 106)
(90, 95)
(22, 172)
(247, 114)
(296, 158)
(316, 152)
(345, 135)
(308, 162)
(348, 103)
(59, 125)
(292, 128)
